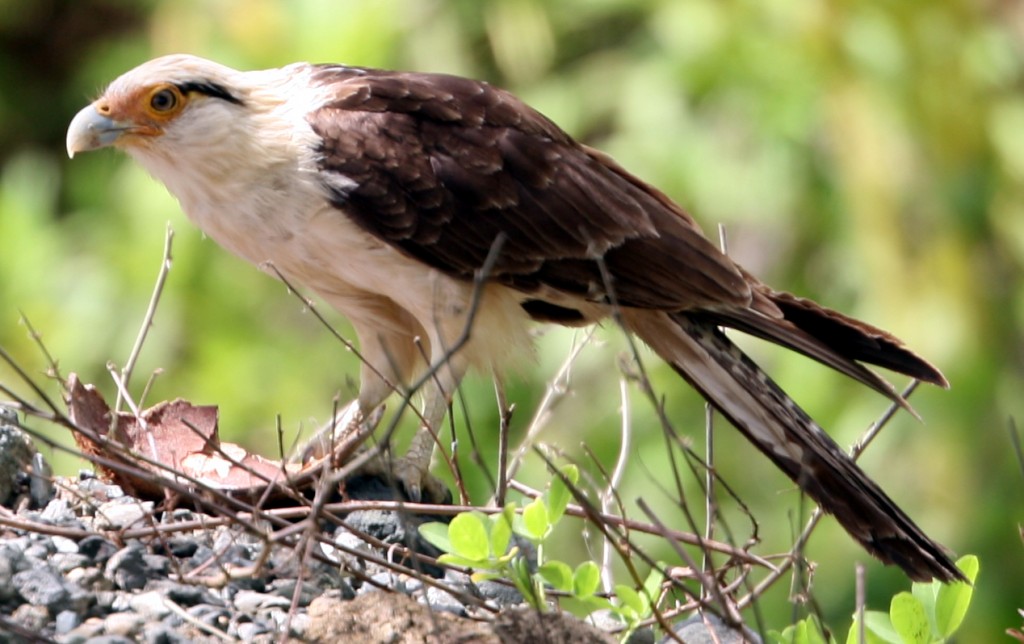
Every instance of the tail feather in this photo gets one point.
(828, 336)
(854, 339)
(785, 333)
(759, 408)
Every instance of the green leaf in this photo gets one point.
(925, 593)
(952, 600)
(468, 535)
(586, 579)
(629, 598)
(595, 602)
(436, 534)
(501, 530)
(508, 556)
(806, 631)
(559, 494)
(525, 582)
(558, 574)
(521, 570)
(812, 633)
(456, 560)
(909, 619)
(877, 629)
(799, 633)
(653, 582)
(535, 520)
(785, 637)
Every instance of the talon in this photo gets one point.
(413, 491)
(349, 422)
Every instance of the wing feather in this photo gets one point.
(442, 166)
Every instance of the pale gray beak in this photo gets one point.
(90, 130)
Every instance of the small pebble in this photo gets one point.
(710, 629)
(41, 586)
(440, 600)
(31, 617)
(40, 485)
(122, 513)
(57, 512)
(160, 634)
(67, 620)
(63, 544)
(126, 624)
(248, 601)
(68, 561)
(87, 631)
(127, 568)
(149, 604)
(16, 452)
(97, 548)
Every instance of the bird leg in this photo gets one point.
(412, 470)
(357, 420)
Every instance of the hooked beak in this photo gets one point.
(90, 130)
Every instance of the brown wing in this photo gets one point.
(440, 166)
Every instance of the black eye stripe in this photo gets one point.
(208, 89)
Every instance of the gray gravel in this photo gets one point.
(91, 584)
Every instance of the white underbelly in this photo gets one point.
(351, 269)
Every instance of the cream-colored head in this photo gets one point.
(232, 146)
(164, 103)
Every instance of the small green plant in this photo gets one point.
(806, 631)
(481, 543)
(929, 614)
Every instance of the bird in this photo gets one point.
(444, 217)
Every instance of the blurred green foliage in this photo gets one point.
(867, 154)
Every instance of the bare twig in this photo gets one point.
(505, 411)
(557, 388)
(710, 506)
(609, 494)
(147, 320)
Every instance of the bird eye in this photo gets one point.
(164, 100)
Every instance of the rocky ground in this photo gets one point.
(82, 561)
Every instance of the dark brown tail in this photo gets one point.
(829, 337)
(759, 408)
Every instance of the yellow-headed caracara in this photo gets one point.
(385, 192)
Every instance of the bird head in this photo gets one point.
(230, 145)
(161, 105)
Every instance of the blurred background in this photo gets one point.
(869, 155)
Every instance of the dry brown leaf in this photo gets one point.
(174, 434)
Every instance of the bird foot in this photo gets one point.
(410, 475)
(342, 439)
(342, 436)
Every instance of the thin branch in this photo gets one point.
(553, 394)
(147, 320)
(505, 411)
(609, 494)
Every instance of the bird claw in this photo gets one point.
(410, 476)
(344, 434)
